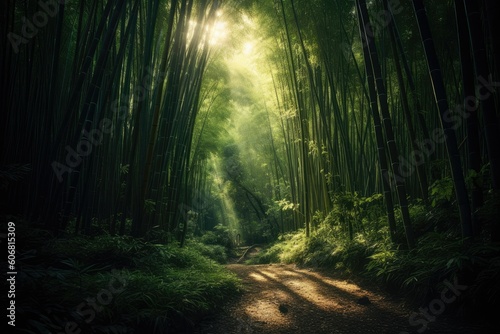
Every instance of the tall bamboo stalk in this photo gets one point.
(446, 125)
(367, 37)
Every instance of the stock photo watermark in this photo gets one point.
(12, 272)
(31, 27)
(382, 19)
(436, 307)
(407, 166)
(89, 308)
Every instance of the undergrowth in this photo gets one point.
(118, 284)
(440, 257)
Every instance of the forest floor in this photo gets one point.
(287, 299)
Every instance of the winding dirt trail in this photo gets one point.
(287, 299)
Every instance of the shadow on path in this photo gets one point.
(286, 299)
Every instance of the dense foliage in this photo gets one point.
(111, 284)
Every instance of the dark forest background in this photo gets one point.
(146, 141)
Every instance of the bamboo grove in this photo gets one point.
(111, 135)
(117, 112)
(352, 86)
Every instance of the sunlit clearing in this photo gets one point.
(290, 273)
(257, 277)
(342, 285)
(269, 273)
(271, 317)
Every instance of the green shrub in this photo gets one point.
(215, 252)
(220, 235)
(317, 251)
(421, 272)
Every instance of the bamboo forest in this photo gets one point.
(250, 166)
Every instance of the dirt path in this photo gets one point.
(286, 299)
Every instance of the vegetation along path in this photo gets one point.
(286, 299)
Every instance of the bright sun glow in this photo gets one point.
(190, 33)
(248, 48)
(215, 33)
(218, 33)
(246, 32)
(247, 20)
